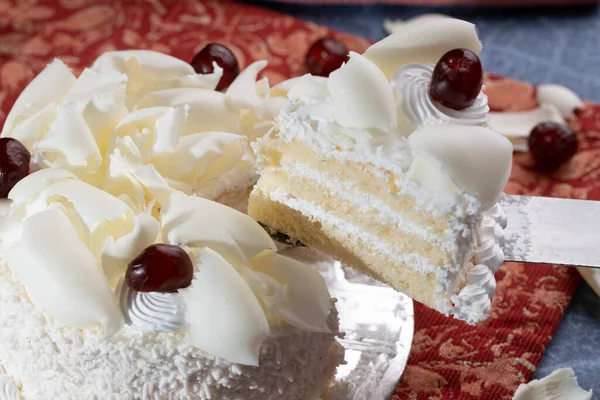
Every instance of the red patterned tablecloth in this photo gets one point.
(449, 359)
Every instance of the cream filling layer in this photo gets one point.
(363, 201)
(355, 232)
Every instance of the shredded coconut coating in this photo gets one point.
(51, 361)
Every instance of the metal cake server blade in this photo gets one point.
(546, 230)
(541, 230)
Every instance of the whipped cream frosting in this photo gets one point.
(473, 302)
(411, 88)
(141, 124)
(151, 311)
(70, 242)
(491, 239)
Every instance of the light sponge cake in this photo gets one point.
(389, 180)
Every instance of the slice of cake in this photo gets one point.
(390, 166)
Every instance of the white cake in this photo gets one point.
(365, 166)
(125, 151)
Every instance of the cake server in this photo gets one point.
(545, 230)
(542, 230)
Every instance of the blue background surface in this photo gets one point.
(539, 45)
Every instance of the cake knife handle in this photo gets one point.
(545, 230)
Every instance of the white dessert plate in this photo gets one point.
(378, 323)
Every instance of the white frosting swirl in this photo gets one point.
(152, 311)
(472, 303)
(8, 389)
(481, 275)
(498, 214)
(411, 86)
(474, 300)
(489, 251)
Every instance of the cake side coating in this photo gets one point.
(48, 360)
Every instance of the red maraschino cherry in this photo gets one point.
(457, 79)
(215, 52)
(325, 56)
(160, 268)
(14, 164)
(552, 144)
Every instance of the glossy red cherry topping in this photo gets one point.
(325, 56)
(160, 268)
(457, 79)
(215, 52)
(551, 145)
(14, 164)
